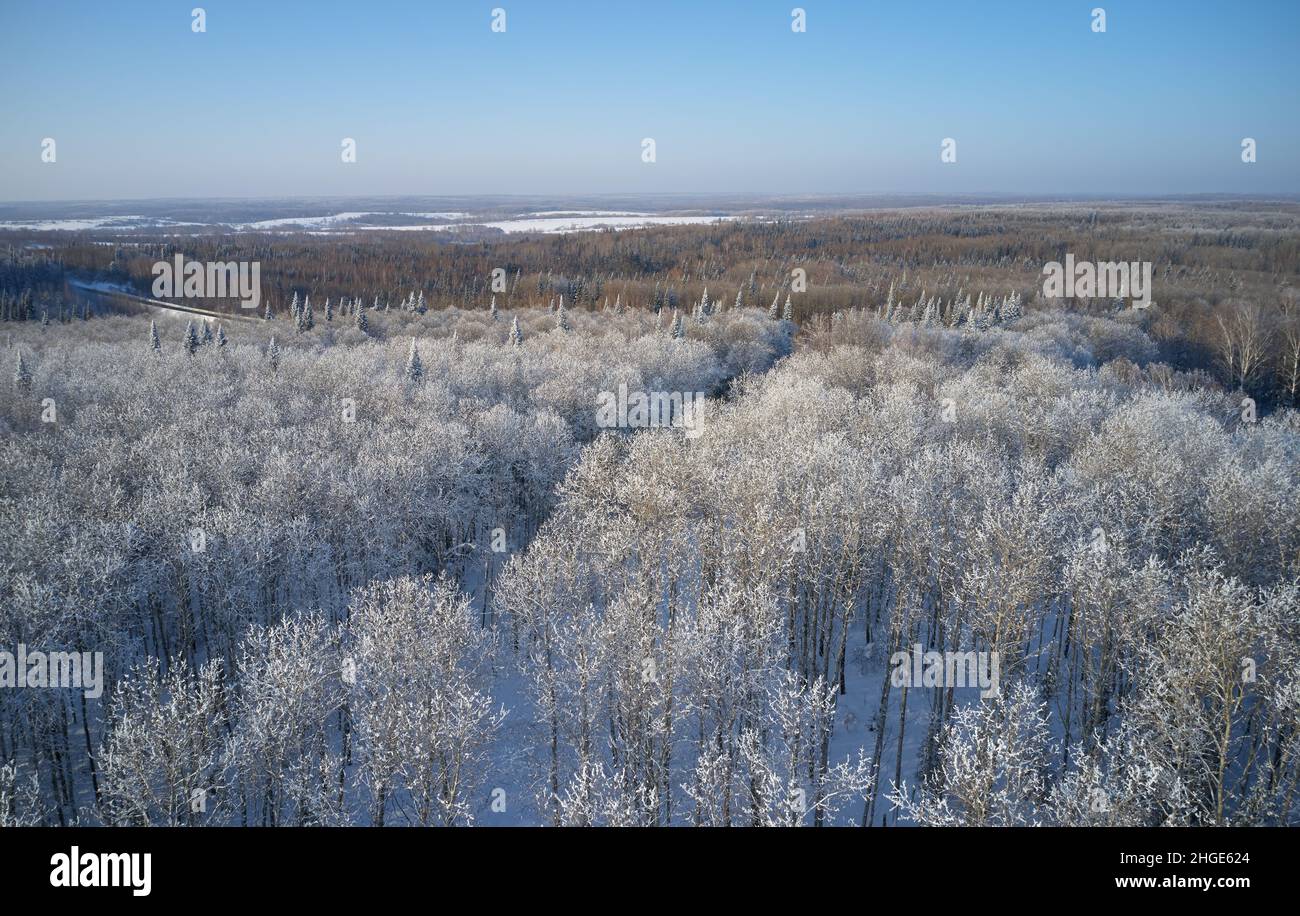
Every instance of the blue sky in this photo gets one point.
(141, 106)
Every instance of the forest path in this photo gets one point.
(117, 298)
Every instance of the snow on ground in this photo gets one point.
(546, 221)
(539, 213)
(92, 224)
(339, 220)
(577, 224)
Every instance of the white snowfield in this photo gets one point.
(549, 221)
(90, 224)
(583, 223)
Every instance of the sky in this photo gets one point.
(141, 106)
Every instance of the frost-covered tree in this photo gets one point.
(993, 765)
(281, 758)
(414, 367)
(423, 715)
(160, 759)
(22, 375)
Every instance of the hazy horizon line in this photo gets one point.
(768, 195)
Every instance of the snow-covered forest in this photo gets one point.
(358, 565)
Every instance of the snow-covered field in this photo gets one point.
(552, 221)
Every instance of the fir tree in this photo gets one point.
(22, 376)
(516, 335)
(273, 354)
(191, 339)
(414, 367)
(154, 343)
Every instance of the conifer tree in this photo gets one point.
(22, 376)
(414, 367)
